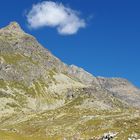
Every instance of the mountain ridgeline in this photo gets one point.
(42, 97)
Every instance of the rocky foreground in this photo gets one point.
(41, 98)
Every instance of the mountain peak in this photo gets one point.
(13, 27)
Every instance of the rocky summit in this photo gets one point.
(42, 98)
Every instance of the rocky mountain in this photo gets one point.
(43, 98)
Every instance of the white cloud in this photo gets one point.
(52, 14)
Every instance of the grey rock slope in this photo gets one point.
(122, 89)
(33, 79)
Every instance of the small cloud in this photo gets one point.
(52, 14)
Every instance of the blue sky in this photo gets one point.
(108, 45)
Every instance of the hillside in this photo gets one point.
(43, 98)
